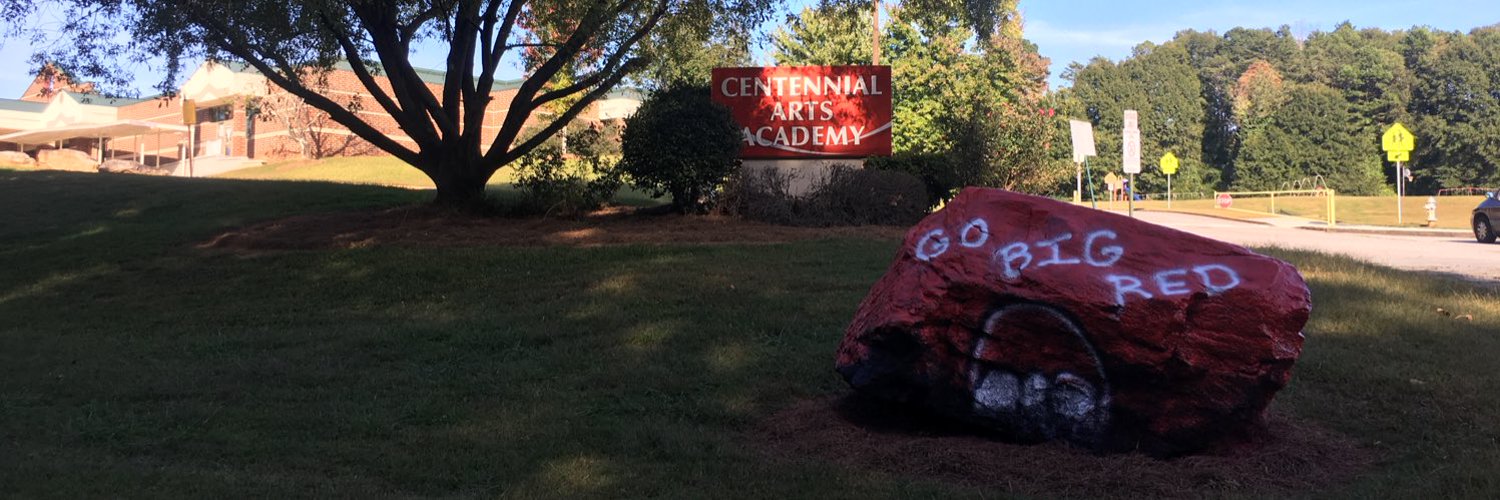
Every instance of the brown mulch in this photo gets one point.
(424, 226)
(1290, 458)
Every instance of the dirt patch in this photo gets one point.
(1290, 458)
(422, 226)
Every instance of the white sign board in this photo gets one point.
(1130, 144)
(1083, 140)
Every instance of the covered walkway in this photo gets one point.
(97, 131)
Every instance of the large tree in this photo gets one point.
(577, 50)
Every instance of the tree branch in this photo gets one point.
(606, 78)
(522, 104)
(351, 54)
(379, 21)
(288, 78)
(567, 116)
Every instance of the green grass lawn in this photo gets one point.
(1453, 211)
(134, 364)
(378, 170)
(388, 171)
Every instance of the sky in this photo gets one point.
(1069, 31)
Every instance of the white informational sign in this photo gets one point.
(1130, 143)
(1083, 140)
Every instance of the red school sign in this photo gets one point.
(809, 111)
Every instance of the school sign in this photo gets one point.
(809, 111)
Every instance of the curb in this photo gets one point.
(1431, 233)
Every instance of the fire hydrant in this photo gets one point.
(1431, 207)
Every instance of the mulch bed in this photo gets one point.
(1289, 458)
(423, 226)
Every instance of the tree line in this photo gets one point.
(1262, 109)
(1249, 109)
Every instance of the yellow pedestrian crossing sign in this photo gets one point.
(1397, 138)
(1169, 164)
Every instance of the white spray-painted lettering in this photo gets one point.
(984, 233)
(933, 244)
(1099, 249)
(1057, 258)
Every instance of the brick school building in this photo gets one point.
(240, 115)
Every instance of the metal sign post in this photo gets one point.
(1398, 143)
(1130, 150)
(1082, 133)
(190, 118)
(1169, 163)
(1400, 192)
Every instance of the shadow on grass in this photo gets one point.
(481, 371)
(131, 363)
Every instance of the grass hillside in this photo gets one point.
(134, 363)
(377, 170)
(1452, 211)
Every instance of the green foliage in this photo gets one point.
(1315, 133)
(574, 52)
(827, 36)
(1006, 147)
(950, 81)
(681, 143)
(552, 184)
(935, 171)
(1232, 100)
(1160, 83)
(1455, 103)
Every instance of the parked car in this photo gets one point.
(1485, 216)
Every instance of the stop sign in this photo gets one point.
(1224, 200)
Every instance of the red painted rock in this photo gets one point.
(1045, 321)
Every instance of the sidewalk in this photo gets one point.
(1389, 231)
(1317, 225)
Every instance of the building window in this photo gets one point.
(219, 113)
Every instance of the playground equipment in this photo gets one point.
(1330, 200)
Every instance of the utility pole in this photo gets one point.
(875, 36)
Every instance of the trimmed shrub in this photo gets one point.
(848, 196)
(552, 185)
(859, 196)
(935, 171)
(760, 194)
(681, 143)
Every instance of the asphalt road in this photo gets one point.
(1459, 256)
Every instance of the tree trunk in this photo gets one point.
(460, 184)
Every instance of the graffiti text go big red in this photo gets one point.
(1099, 249)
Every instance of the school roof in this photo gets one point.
(431, 76)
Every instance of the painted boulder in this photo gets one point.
(1041, 320)
(67, 159)
(16, 158)
(130, 167)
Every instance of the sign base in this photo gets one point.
(804, 175)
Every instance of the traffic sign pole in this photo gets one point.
(1130, 154)
(1398, 142)
(1168, 165)
(1078, 190)
(1093, 200)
